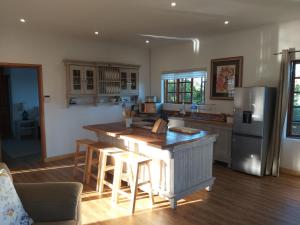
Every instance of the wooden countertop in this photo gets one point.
(163, 141)
(215, 123)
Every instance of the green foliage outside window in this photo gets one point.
(188, 90)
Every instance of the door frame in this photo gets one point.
(7, 87)
(38, 67)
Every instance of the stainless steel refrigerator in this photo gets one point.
(253, 120)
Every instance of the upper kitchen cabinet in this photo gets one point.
(98, 82)
(82, 80)
(90, 86)
(129, 81)
(109, 81)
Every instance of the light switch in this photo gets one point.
(47, 99)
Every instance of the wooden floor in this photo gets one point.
(236, 199)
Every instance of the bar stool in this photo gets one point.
(105, 154)
(81, 155)
(93, 158)
(97, 149)
(133, 162)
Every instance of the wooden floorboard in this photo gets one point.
(236, 199)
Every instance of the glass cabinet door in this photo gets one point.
(90, 80)
(123, 81)
(133, 88)
(133, 81)
(76, 80)
(129, 81)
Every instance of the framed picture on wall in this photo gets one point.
(225, 75)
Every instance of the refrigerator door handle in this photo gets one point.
(235, 109)
(253, 107)
(246, 135)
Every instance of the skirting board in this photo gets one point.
(60, 157)
(289, 171)
(70, 155)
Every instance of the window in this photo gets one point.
(293, 126)
(184, 87)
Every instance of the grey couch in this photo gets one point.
(51, 203)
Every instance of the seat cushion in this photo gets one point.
(11, 208)
(67, 222)
(54, 201)
(4, 166)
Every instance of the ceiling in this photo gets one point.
(125, 20)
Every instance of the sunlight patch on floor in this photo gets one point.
(96, 209)
(41, 169)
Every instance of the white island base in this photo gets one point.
(176, 171)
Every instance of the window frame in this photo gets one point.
(183, 93)
(166, 88)
(178, 92)
(291, 106)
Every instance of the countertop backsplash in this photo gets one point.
(207, 108)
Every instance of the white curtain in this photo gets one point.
(272, 164)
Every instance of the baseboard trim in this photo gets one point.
(70, 155)
(60, 157)
(289, 171)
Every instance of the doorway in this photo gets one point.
(4, 105)
(22, 130)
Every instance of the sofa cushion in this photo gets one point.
(54, 201)
(67, 222)
(4, 166)
(11, 208)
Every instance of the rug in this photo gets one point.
(21, 148)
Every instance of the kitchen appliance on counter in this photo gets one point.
(150, 105)
(253, 119)
(151, 99)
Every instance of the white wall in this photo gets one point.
(64, 125)
(261, 67)
(256, 46)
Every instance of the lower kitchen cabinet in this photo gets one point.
(222, 146)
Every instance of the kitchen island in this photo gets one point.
(222, 146)
(181, 163)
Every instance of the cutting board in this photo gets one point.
(185, 130)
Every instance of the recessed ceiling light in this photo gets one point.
(173, 4)
(22, 20)
(147, 41)
(96, 33)
(226, 22)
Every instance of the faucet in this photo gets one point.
(182, 109)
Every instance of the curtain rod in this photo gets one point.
(279, 53)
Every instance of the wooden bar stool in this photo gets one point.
(104, 167)
(94, 159)
(81, 155)
(133, 163)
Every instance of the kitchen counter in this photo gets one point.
(163, 141)
(222, 146)
(209, 122)
(180, 163)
